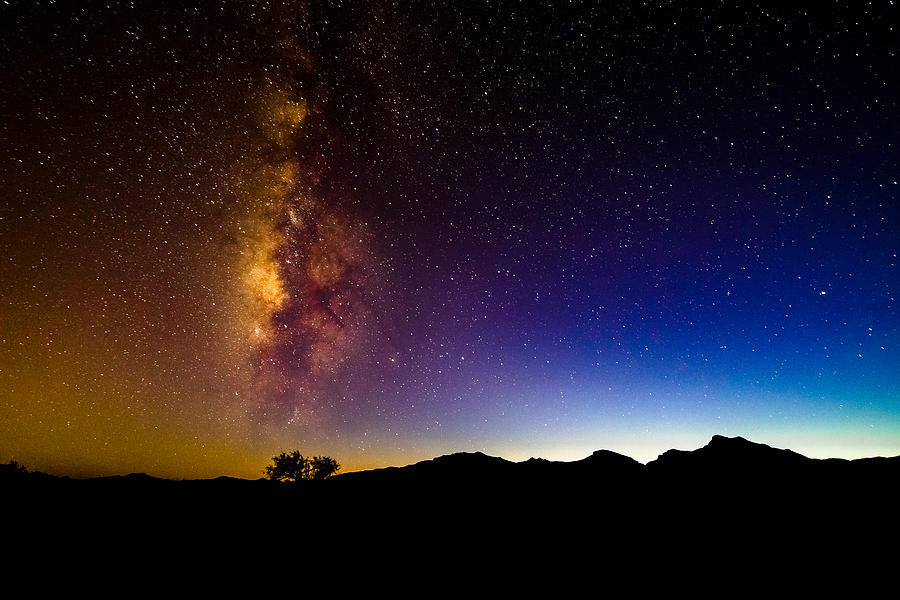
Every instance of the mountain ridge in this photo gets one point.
(738, 450)
(729, 482)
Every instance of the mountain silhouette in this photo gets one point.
(711, 513)
(722, 461)
(735, 452)
(729, 480)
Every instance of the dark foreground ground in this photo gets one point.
(731, 507)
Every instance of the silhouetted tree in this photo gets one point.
(324, 467)
(296, 467)
(12, 468)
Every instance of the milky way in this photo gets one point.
(308, 268)
(385, 231)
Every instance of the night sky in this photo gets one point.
(388, 231)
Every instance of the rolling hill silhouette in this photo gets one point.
(729, 480)
(719, 508)
(722, 462)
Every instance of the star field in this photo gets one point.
(385, 231)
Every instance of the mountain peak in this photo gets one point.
(719, 440)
